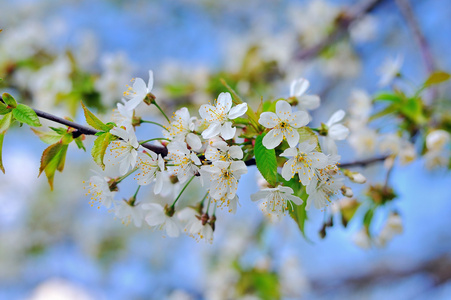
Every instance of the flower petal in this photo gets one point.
(227, 131)
(336, 117)
(292, 137)
(268, 119)
(272, 139)
(213, 130)
(299, 119)
(224, 102)
(283, 109)
(298, 87)
(150, 83)
(193, 140)
(139, 87)
(238, 111)
(309, 102)
(338, 132)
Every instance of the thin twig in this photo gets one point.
(364, 162)
(408, 14)
(342, 25)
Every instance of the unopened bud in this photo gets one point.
(204, 218)
(173, 179)
(169, 210)
(355, 176)
(347, 191)
(112, 184)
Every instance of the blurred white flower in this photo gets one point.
(362, 239)
(150, 167)
(158, 217)
(59, 289)
(128, 212)
(321, 191)
(393, 226)
(335, 132)
(363, 29)
(181, 129)
(305, 102)
(437, 139)
(390, 70)
(100, 191)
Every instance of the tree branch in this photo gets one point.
(408, 14)
(363, 163)
(343, 21)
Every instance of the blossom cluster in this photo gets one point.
(208, 149)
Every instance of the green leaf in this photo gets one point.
(299, 214)
(53, 159)
(95, 122)
(4, 109)
(266, 161)
(386, 111)
(264, 284)
(9, 100)
(436, 78)
(79, 143)
(47, 137)
(2, 135)
(5, 122)
(100, 146)
(387, 97)
(26, 114)
(413, 109)
(367, 218)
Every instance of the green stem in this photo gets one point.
(181, 192)
(155, 123)
(154, 139)
(133, 199)
(162, 112)
(126, 175)
(203, 199)
(208, 206)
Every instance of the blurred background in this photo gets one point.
(54, 245)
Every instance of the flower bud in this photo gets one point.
(355, 176)
(347, 191)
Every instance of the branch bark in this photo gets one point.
(342, 25)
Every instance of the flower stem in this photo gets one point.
(155, 123)
(154, 139)
(126, 175)
(181, 192)
(133, 199)
(162, 112)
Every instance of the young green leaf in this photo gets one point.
(266, 161)
(4, 109)
(5, 122)
(99, 148)
(26, 114)
(9, 100)
(2, 135)
(436, 78)
(53, 159)
(47, 137)
(95, 122)
(387, 97)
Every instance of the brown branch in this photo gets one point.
(363, 163)
(342, 25)
(408, 14)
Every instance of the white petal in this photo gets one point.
(306, 147)
(236, 152)
(299, 119)
(238, 111)
(283, 109)
(309, 102)
(159, 183)
(171, 228)
(224, 102)
(259, 195)
(268, 119)
(290, 152)
(298, 87)
(193, 140)
(213, 130)
(319, 160)
(292, 137)
(338, 132)
(150, 83)
(272, 139)
(227, 132)
(139, 86)
(336, 117)
(206, 111)
(120, 132)
(287, 173)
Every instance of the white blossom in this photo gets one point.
(390, 69)
(157, 217)
(335, 132)
(219, 117)
(150, 167)
(437, 139)
(100, 191)
(138, 92)
(305, 161)
(276, 200)
(393, 226)
(128, 212)
(124, 151)
(283, 125)
(181, 161)
(321, 191)
(305, 102)
(223, 177)
(219, 150)
(181, 129)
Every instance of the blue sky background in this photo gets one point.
(149, 266)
